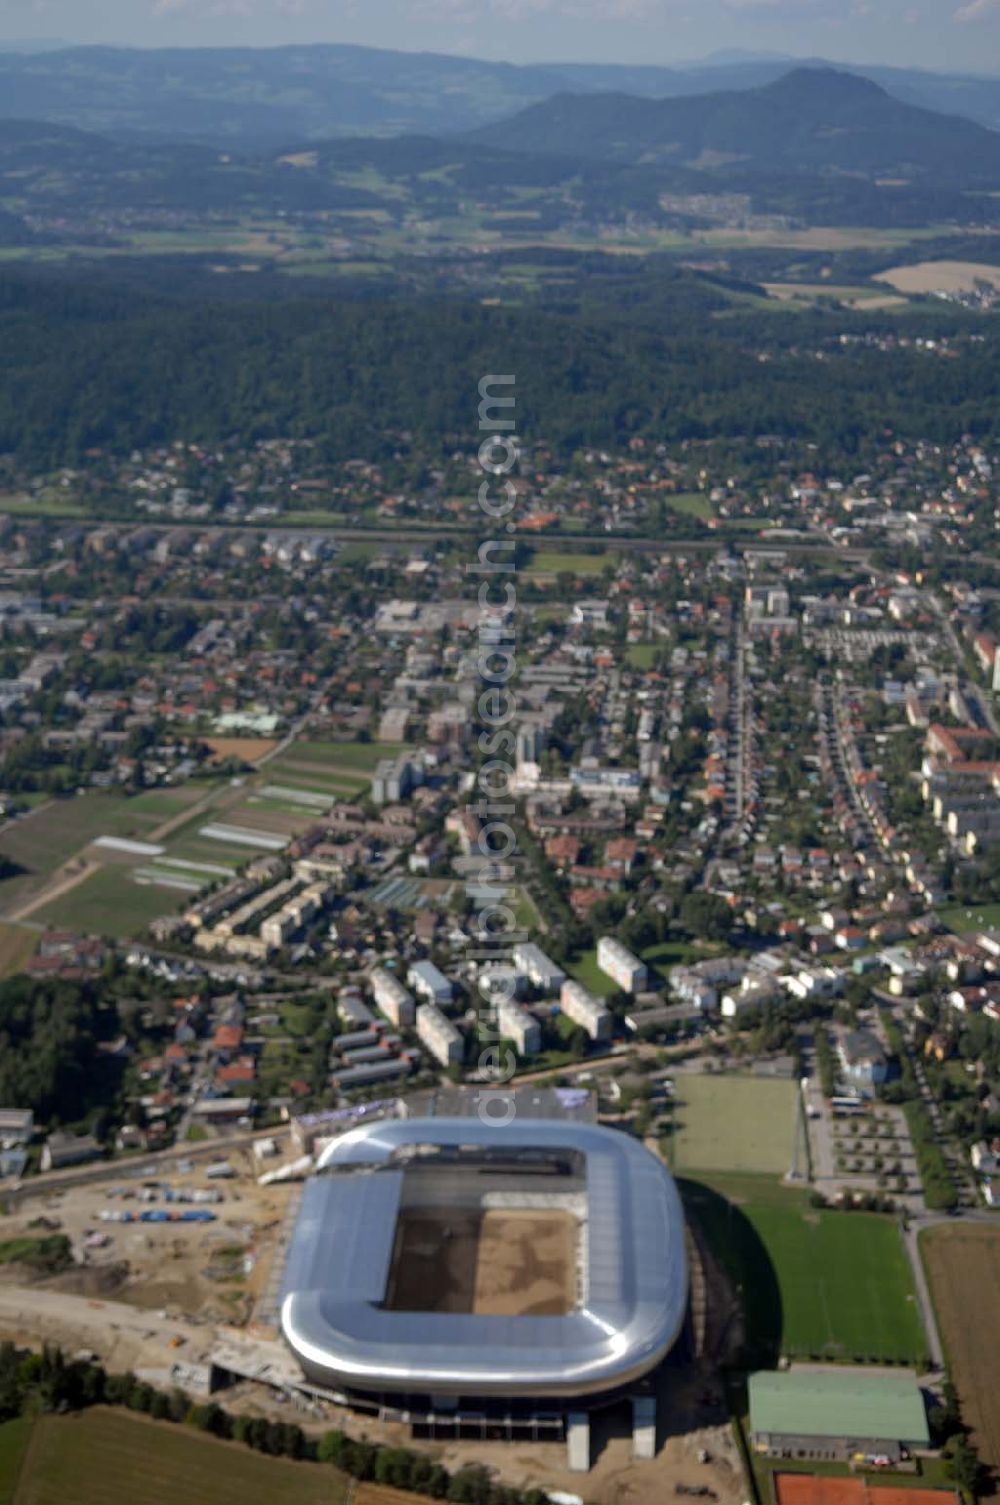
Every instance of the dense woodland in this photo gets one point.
(88, 366)
(49, 1048)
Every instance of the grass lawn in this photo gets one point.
(296, 1019)
(733, 1123)
(110, 902)
(826, 1285)
(641, 655)
(667, 954)
(964, 917)
(14, 1438)
(548, 562)
(525, 910)
(103, 1457)
(691, 504)
(589, 973)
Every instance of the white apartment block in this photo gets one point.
(539, 969)
(515, 1023)
(618, 962)
(430, 982)
(439, 1035)
(584, 1009)
(392, 999)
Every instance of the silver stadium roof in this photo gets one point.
(629, 1314)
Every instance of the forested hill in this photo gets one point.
(812, 120)
(86, 368)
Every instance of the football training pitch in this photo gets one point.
(813, 1283)
(732, 1123)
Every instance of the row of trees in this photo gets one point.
(939, 1188)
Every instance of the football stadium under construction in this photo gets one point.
(446, 1270)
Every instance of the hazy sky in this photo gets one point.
(942, 34)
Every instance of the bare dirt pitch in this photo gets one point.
(510, 1263)
(247, 749)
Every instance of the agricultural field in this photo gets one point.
(14, 1438)
(207, 831)
(361, 756)
(814, 1284)
(379, 1494)
(56, 833)
(110, 902)
(194, 850)
(963, 1267)
(41, 842)
(104, 1457)
(339, 769)
(808, 294)
(733, 1123)
(17, 946)
(816, 238)
(940, 276)
(165, 803)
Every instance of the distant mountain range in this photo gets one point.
(259, 98)
(821, 146)
(817, 120)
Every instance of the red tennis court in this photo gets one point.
(811, 1489)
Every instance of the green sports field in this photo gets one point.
(732, 1123)
(814, 1284)
(112, 1458)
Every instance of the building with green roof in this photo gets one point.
(836, 1413)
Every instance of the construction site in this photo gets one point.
(178, 1263)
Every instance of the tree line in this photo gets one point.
(48, 1381)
